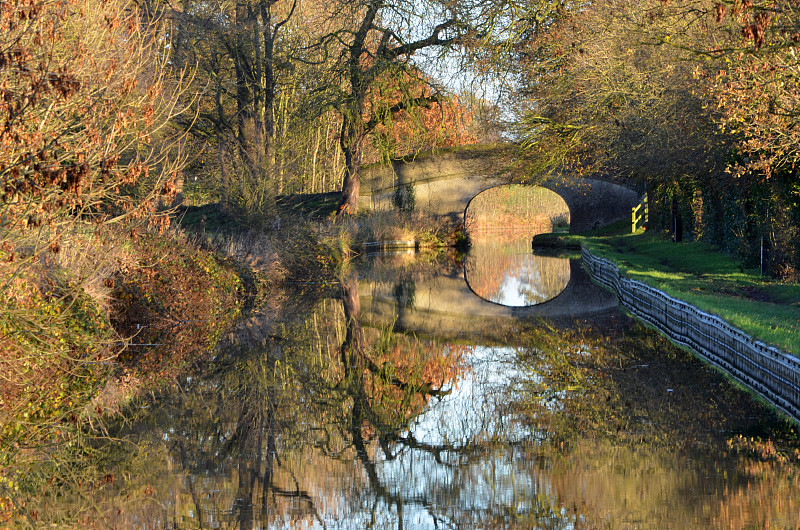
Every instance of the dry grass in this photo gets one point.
(400, 226)
(516, 206)
(92, 263)
(256, 249)
(88, 258)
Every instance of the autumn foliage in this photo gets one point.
(87, 156)
(432, 121)
(85, 146)
(84, 107)
(701, 109)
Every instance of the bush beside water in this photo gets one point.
(73, 349)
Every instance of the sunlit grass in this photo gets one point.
(714, 282)
(525, 208)
(392, 225)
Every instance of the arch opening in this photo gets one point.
(500, 267)
(516, 210)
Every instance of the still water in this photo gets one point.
(374, 404)
(506, 272)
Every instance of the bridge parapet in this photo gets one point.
(441, 183)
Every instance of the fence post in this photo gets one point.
(646, 211)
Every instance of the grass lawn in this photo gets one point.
(712, 281)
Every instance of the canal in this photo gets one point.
(424, 391)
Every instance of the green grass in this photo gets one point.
(710, 280)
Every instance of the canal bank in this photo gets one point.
(765, 369)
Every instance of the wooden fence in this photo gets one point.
(640, 214)
(768, 371)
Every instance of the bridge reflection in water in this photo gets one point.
(469, 300)
(509, 274)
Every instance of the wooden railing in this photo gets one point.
(640, 214)
(765, 369)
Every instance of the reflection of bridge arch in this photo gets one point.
(444, 306)
(445, 183)
(511, 275)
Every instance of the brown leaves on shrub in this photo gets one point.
(178, 298)
(79, 104)
(719, 11)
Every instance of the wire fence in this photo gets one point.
(765, 369)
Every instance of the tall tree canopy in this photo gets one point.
(289, 90)
(698, 99)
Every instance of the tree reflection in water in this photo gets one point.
(283, 430)
(323, 421)
(332, 414)
(641, 434)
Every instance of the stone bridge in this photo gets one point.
(445, 183)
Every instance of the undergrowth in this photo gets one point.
(72, 347)
(393, 225)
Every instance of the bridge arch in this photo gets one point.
(542, 215)
(445, 183)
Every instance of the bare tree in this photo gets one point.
(235, 47)
(376, 41)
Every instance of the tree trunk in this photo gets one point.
(353, 344)
(314, 187)
(352, 140)
(269, 82)
(353, 126)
